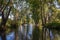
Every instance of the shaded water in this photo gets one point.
(22, 32)
(53, 35)
(10, 36)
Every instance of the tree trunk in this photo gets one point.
(16, 35)
(3, 25)
(45, 33)
(3, 32)
(36, 33)
(42, 33)
(3, 36)
(15, 27)
(3, 29)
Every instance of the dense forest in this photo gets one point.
(29, 19)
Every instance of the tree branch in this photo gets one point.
(1, 5)
(4, 20)
(8, 12)
(3, 8)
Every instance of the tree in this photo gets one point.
(21, 11)
(5, 8)
(35, 5)
(46, 9)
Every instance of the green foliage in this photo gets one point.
(14, 25)
(36, 16)
(53, 25)
(35, 5)
(11, 25)
(58, 15)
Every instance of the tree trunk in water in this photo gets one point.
(16, 30)
(36, 33)
(3, 32)
(3, 36)
(16, 35)
(45, 33)
(42, 33)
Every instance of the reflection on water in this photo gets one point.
(29, 35)
(53, 35)
(10, 36)
(23, 33)
(0, 38)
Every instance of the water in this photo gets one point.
(29, 35)
(0, 38)
(51, 35)
(10, 36)
(22, 32)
